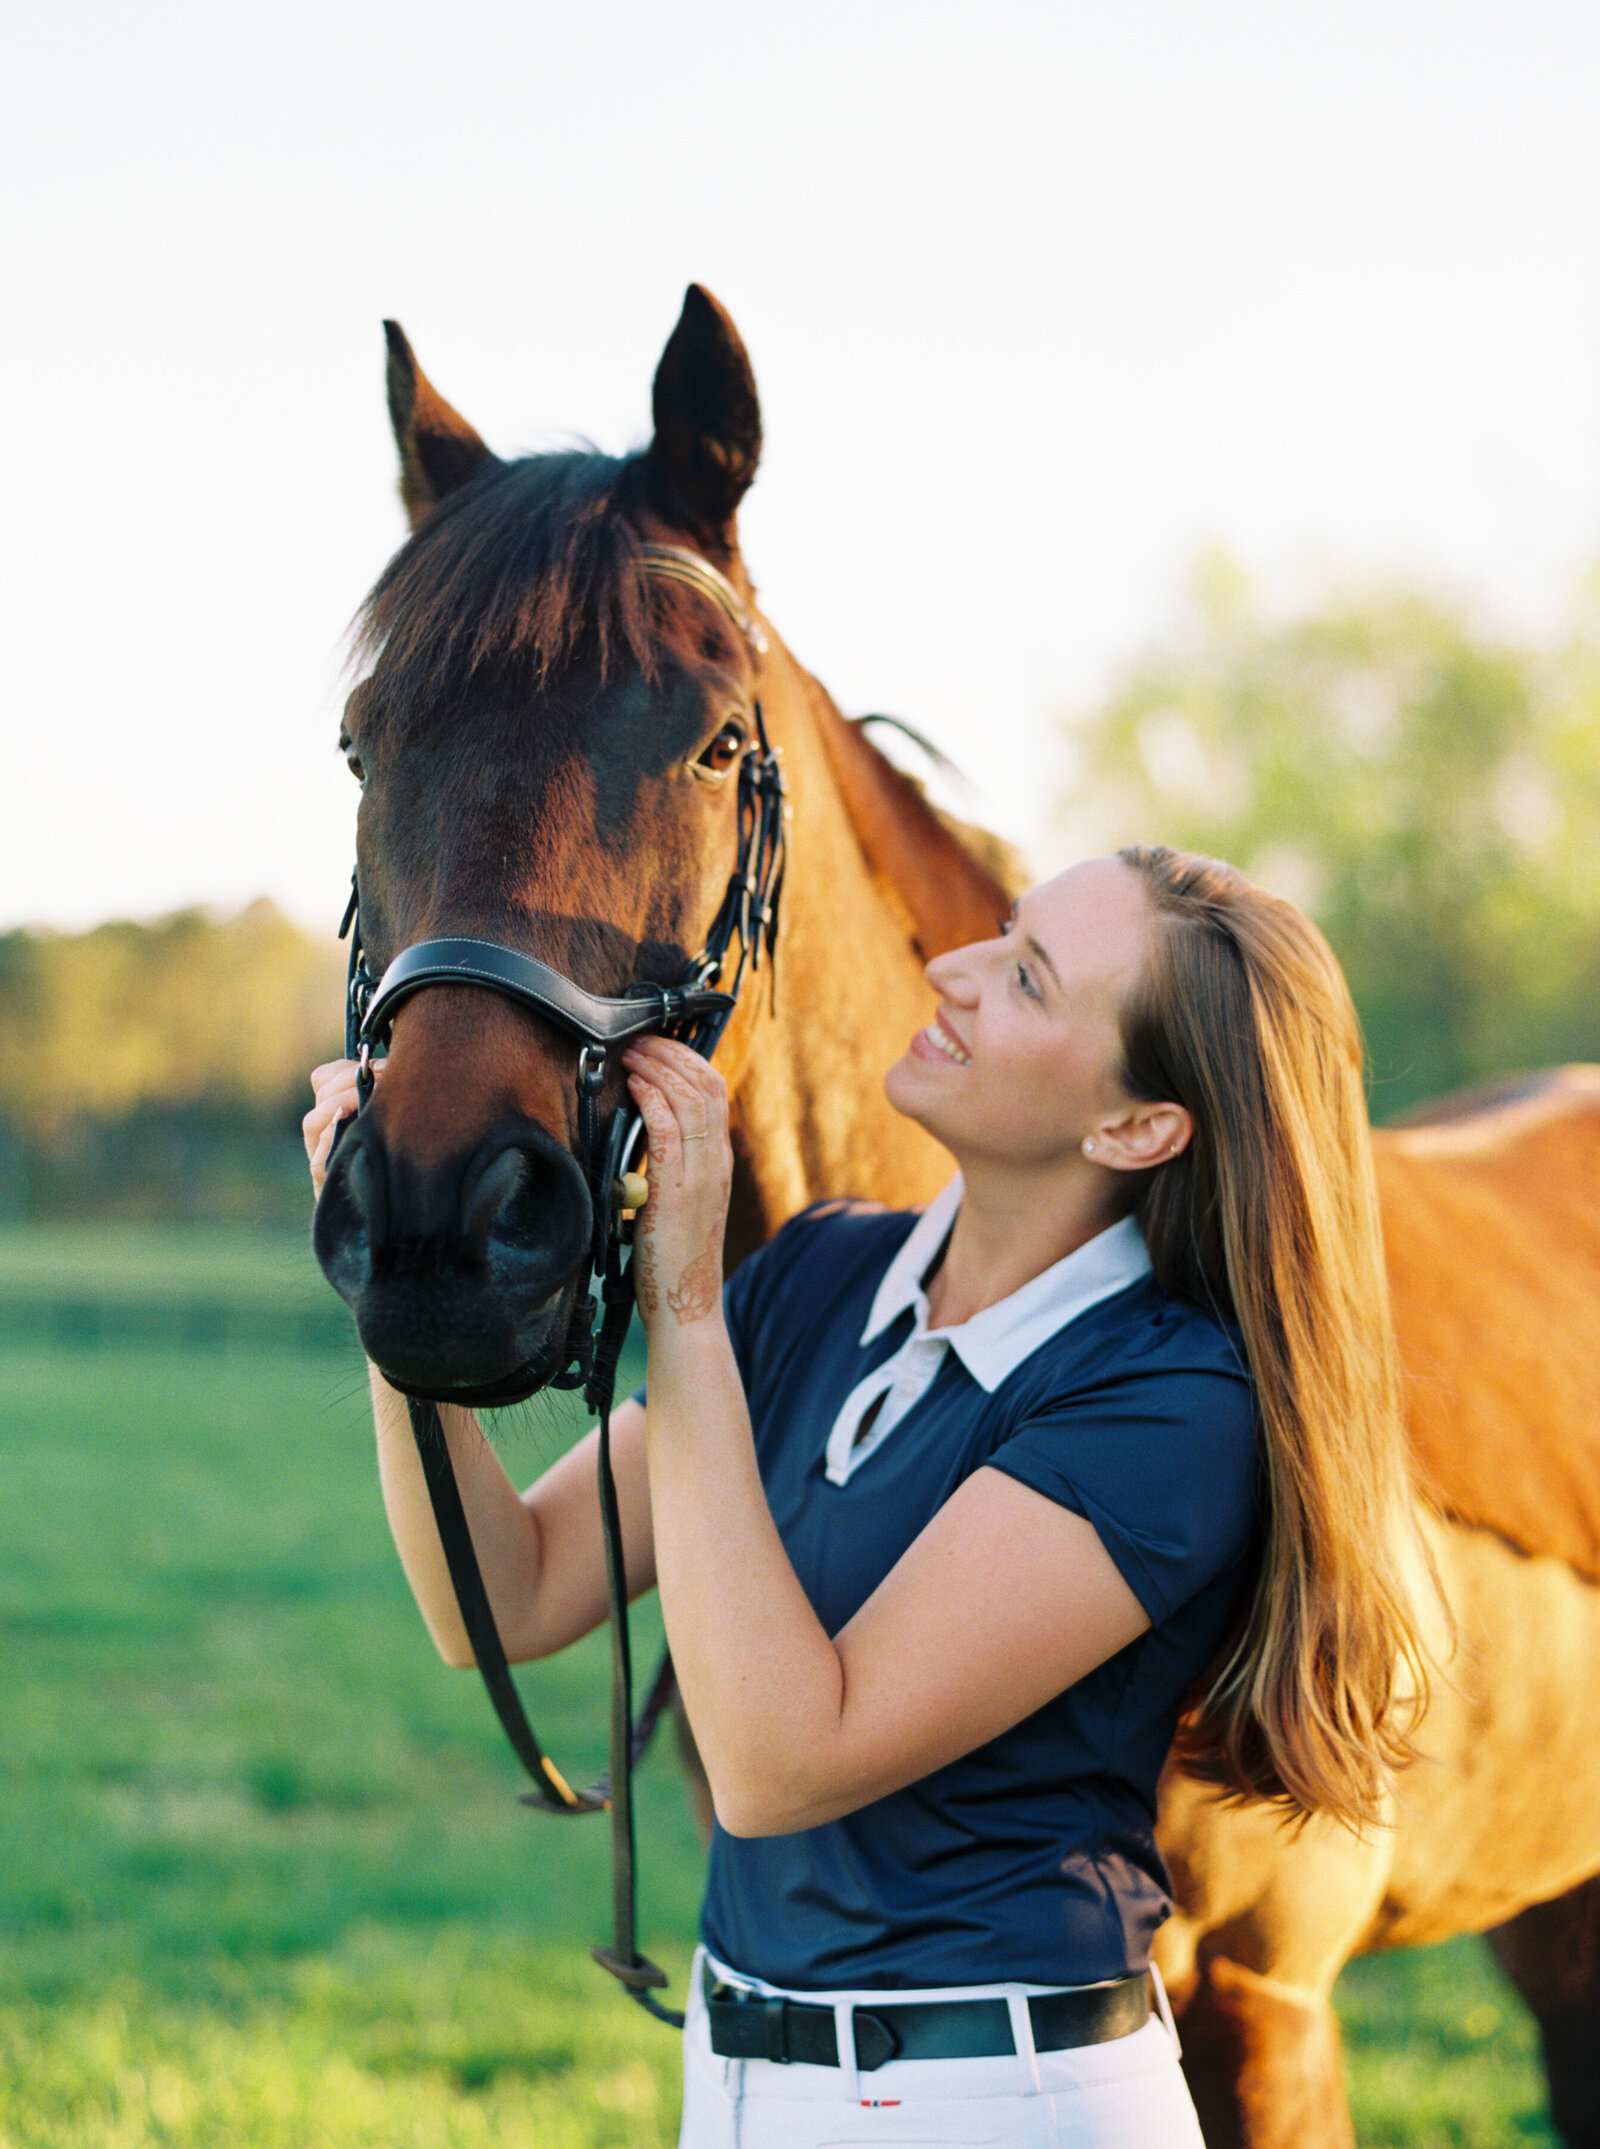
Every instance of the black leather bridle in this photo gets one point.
(696, 1008)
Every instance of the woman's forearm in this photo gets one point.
(761, 1680)
(505, 1534)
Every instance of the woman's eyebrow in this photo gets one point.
(1043, 959)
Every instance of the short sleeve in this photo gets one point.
(1164, 1465)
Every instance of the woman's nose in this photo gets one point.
(952, 973)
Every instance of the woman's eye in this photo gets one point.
(1025, 981)
(724, 750)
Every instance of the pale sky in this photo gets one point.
(1040, 297)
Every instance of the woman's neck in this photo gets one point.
(1012, 1225)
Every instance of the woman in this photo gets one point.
(951, 1514)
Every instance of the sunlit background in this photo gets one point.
(1041, 298)
(1187, 415)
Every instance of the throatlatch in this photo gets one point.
(696, 1010)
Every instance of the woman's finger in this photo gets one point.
(338, 1096)
(685, 1078)
(324, 1150)
(663, 1134)
(668, 1052)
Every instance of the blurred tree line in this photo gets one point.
(159, 1070)
(1428, 792)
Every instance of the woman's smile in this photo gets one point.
(941, 1038)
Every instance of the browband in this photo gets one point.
(673, 563)
(596, 1020)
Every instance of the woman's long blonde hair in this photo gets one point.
(1269, 1218)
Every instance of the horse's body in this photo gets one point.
(529, 733)
(1492, 1221)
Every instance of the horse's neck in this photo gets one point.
(876, 885)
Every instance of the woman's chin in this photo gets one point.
(906, 1087)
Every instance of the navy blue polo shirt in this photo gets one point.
(1032, 1859)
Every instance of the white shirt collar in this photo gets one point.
(996, 1341)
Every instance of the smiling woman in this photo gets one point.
(950, 1512)
(993, 1487)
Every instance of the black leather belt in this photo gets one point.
(749, 2025)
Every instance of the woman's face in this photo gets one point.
(1023, 1058)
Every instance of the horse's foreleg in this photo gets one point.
(1263, 2063)
(1267, 1918)
(1551, 1953)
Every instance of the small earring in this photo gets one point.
(1088, 1145)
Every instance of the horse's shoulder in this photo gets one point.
(1491, 1207)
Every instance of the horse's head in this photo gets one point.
(548, 741)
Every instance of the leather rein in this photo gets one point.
(696, 1009)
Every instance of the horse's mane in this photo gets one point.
(510, 574)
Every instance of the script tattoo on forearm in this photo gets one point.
(696, 1291)
(644, 1284)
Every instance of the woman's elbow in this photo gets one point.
(751, 1813)
(455, 1649)
(764, 1803)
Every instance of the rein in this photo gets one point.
(695, 1009)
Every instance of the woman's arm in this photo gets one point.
(1001, 1603)
(541, 1552)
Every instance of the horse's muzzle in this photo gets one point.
(461, 1276)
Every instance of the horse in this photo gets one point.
(544, 737)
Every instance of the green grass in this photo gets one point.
(138, 1261)
(1440, 2053)
(264, 1881)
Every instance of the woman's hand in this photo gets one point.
(677, 1259)
(334, 1084)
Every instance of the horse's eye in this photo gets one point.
(352, 760)
(724, 750)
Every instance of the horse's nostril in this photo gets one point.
(351, 1215)
(494, 1190)
(526, 1214)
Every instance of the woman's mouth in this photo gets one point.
(944, 1041)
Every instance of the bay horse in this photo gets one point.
(544, 738)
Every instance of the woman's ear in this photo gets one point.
(1140, 1138)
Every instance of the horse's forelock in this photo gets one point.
(528, 565)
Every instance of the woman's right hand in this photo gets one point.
(334, 1084)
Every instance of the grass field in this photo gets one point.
(264, 1882)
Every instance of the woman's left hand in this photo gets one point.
(677, 1258)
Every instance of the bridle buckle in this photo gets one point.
(591, 1069)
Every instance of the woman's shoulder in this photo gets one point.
(1188, 1337)
(851, 1230)
(831, 1247)
(1140, 1334)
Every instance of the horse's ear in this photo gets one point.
(438, 449)
(708, 418)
